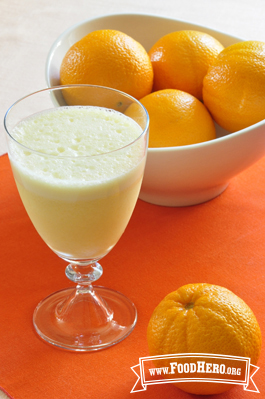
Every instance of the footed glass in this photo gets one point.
(78, 155)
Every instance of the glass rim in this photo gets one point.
(60, 87)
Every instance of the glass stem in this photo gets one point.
(84, 273)
(84, 305)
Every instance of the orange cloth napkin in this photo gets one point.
(219, 242)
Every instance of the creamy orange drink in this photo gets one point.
(78, 154)
(78, 187)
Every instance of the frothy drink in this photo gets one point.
(78, 177)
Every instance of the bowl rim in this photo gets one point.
(71, 28)
(187, 147)
(138, 14)
(208, 143)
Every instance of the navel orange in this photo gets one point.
(205, 319)
(181, 59)
(177, 118)
(109, 58)
(234, 86)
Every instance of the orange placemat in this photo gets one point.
(220, 242)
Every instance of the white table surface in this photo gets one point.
(28, 28)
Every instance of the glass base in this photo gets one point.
(85, 318)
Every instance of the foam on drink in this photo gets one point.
(76, 132)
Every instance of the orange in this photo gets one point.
(109, 58)
(234, 86)
(177, 118)
(181, 59)
(206, 319)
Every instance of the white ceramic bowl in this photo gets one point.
(174, 176)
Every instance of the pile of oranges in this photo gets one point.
(186, 81)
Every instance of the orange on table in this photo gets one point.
(234, 86)
(204, 318)
(181, 59)
(109, 58)
(177, 118)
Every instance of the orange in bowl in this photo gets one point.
(176, 119)
(109, 58)
(181, 59)
(234, 86)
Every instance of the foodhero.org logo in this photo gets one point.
(199, 367)
(194, 367)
